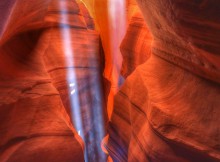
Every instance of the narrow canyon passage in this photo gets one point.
(109, 81)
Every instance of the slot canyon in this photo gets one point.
(109, 81)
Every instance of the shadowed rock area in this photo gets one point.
(109, 80)
(167, 109)
(35, 80)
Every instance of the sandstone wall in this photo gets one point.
(167, 109)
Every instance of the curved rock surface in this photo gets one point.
(186, 34)
(34, 124)
(73, 60)
(157, 117)
(51, 62)
(136, 45)
(167, 110)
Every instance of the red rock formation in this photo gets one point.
(73, 61)
(34, 125)
(51, 62)
(186, 34)
(167, 110)
(136, 45)
(88, 19)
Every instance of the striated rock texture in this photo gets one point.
(186, 34)
(87, 17)
(168, 108)
(36, 50)
(136, 45)
(73, 60)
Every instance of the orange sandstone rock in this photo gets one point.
(168, 108)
